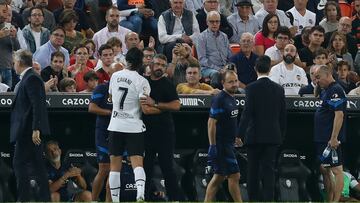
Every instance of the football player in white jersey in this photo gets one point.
(126, 127)
(290, 76)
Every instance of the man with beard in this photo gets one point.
(262, 127)
(112, 29)
(48, 18)
(34, 34)
(61, 175)
(290, 76)
(160, 132)
(222, 128)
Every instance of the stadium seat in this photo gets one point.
(293, 175)
(235, 48)
(346, 8)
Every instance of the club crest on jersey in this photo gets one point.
(298, 77)
(311, 21)
(334, 96)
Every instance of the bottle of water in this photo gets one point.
(334, 156)
(326, 153)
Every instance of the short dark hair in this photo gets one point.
(149, 49)
(67, 16)
(57, 54)
(342, 63)
(103, 47)
(160, 56)
(66, 82)
(114, 41)
(265, 29)
(317, 28)
(90, 75)
(36, 7)
(282, 30)
(193, 64)
(111, 8)
(134, 58)
(58, 28)
(79, 46)
(262, 64)
(320, 51)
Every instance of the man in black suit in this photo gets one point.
(28, 121)
(212, 5)
(262, 127)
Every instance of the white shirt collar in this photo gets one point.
(263, 76)
(23, 73)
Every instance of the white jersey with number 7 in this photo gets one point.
(126, 87)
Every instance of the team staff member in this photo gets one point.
(222, 128)
(101, 106)
(29, 122)
(330, 130)
(160, 132)
(262, 126)
(126, 127)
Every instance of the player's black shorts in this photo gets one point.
(102, 145)
(119, 142)
(226, 162)
(327, 162)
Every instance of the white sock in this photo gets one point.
(114, 182)
(140, 179)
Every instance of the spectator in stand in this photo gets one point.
(79, 69)
(132, 40)
(139, 18)
(177, 23)
(61, 175)
(91, 47)
(116, 45)
(290, 76)
(112, 29)
(43, 54)
(343, 72)
(270, 7)
(8, 44)
(91, 79)
(67, 85)
(265, 38)
(243, 21)
(302, 16)
(193, 5)
(226, 7)
(309, 89)
(16, 20)
(181, 58)
(245, 60)
(48, 16)
(356, 22)
(106, 55)
(316, 37)
(34, 34)
(213, 5)
(282, 38)
(338, 50)
(213, 50)
(149, 54)
(332, 16)
(344, 27)
(302, 40)
(193, 84)
(83, 23)
(68, 20)
(321, 57)
(56, 69)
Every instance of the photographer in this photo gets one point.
(181, 57)
(65, 182)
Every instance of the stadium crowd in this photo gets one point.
(78, 44)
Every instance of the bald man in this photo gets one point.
(290, 76)
(344, 27)
(132, 40)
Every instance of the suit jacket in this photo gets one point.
(224, 24)
(29, 108)
(263, 120)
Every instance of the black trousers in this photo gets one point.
(163, 144)
(261, 167)
(28, 162)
